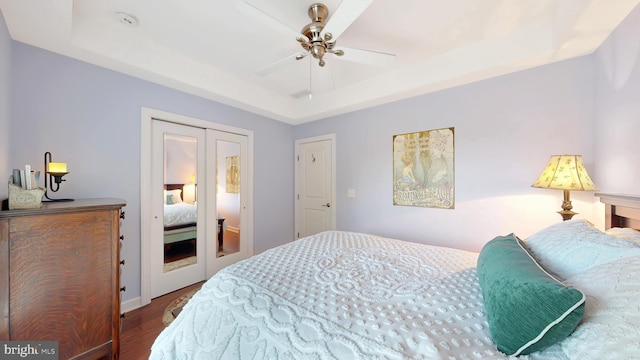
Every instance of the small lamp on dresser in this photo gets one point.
(53, 176)
(565, 172)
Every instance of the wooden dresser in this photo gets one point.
(60, 276)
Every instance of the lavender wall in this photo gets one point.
(5, 100)
(505, 130)
(89, 117)
(617, 125)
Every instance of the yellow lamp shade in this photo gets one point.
(57, 167)
(565, 172)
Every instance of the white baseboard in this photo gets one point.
(129, 305)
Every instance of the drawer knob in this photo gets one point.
(124, 288)
(122, 262)
(122, 214)
(121, 237)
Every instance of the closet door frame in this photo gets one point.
(147, 117)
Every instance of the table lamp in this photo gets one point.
(565, 172)
(53, 176)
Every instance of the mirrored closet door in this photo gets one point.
(178, 234)
(198, 188)
(227, 164)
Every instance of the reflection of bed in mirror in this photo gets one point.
(180, 218)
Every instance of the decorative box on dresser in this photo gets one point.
(60, 276)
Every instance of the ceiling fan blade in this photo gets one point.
(265, 18)
(346, 13)
(280, 64)
(366, 57)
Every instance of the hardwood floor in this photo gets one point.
(141, 326)
(231, 243)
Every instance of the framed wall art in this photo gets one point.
(233, 174)
(423, 169)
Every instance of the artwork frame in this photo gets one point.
(233, 175)
(424, 169)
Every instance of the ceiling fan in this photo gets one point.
(318, 38)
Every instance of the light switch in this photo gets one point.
(351, 193)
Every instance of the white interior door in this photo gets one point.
(315, 184)
(178, 229)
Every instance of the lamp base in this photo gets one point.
(48, 199)
(56, 200)
(566, 214)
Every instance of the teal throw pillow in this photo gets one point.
(527, 309)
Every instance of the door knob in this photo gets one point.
(327, 205)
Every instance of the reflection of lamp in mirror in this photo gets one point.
(53, 176)
(189, 193)
(565, 172)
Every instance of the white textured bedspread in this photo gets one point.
(337, 295)
(180, 214)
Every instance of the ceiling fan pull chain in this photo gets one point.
(310, 91)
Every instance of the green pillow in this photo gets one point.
(527, 309)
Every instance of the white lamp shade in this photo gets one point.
(189, 193)
(565, 172)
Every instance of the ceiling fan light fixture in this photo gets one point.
(315, 42)
(318, 51)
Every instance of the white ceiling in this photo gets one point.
(214, 48)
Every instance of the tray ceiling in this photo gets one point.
(216, 49)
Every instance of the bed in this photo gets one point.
(180, 218)
(343, 295)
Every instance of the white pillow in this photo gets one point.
(610, 328)
(625, 233)
(173, 197)
(571, 247)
